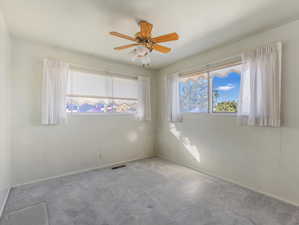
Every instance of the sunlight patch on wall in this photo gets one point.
(192, 149)
(174, 131)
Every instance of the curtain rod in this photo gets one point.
(232, 60)
(198, 69)
(210, 69)
(103, 72)
(99, 71)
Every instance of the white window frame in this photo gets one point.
(101, 97)
(210, 90)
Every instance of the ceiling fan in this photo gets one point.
(144, 38)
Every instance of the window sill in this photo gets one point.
(209, 113)
(100, 114)
(224, 114)
(196, 113)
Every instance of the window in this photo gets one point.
(216, 91)
(194, 93)
(94, 93)
(225, 89)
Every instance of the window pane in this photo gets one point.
(94, 105)
(94, 93)
(124, 106)
(194, 94)
(226, 89)
(80, 104)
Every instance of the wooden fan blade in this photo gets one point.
(122, 36)
(166, 37)
(161, 48)
(145, 29)
(126, 46)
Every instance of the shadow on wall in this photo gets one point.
(185, 141)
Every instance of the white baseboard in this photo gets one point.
(231, 181)
(84, 170)
(2, 206)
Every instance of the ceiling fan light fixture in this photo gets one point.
(141, 53)
(146, 60)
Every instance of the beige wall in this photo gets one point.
(264, 159)
(5, 171)
(45, 151)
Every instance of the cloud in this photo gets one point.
(225, 88)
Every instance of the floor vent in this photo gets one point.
(118, 167)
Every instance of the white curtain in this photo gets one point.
(173, 98)
(144, 98)
(260, 91)
(54, 88)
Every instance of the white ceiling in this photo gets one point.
(83, 25)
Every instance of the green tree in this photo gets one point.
(227, 106)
